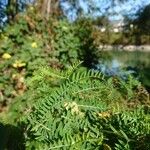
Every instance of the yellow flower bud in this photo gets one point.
(6, 56)
(18, 64)
(34, 45)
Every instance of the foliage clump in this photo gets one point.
(79, 109)
(31, 41)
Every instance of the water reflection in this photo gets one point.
(123, 64)
(115, 68)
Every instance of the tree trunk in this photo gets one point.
(50, 8)
(12, 9)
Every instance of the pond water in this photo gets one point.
(123, 63)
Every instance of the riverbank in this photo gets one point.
(143, 48)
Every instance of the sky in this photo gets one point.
(127, 8)
(130, 7)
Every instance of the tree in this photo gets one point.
(12, 9)
(54, 7)
(143, 20)
(141, 25)
(49, 8)
(2, 13)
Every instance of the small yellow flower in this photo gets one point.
(18, 64)
(34, 45)
(6, 56)
(104, 114)
(31, 8)
(74, 108)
